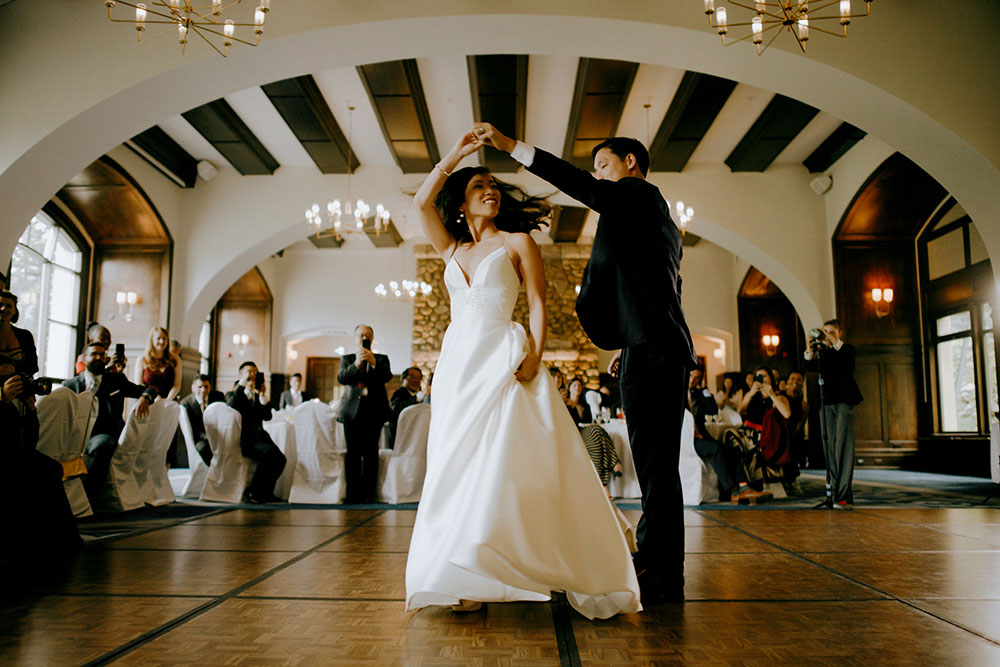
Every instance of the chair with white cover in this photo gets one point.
(228, 475)
(699, 483)
(151, 462)
(319, 468)
(197, 468)
(593, 399)
(65, 421)
(401, 470)
(122, 491)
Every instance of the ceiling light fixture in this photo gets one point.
(184, 16)
(795, 16)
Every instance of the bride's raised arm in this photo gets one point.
(444, 243)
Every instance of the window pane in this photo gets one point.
(66, 253)
(989, 352)
(26, 270)
(38, 233)
(64, 295)
(987, 316)
(59, 356)
(957, 386)
(954, 323)
(946, 254)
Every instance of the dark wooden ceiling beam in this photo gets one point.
(602, 88)
(226, 131)
(567, 222)
(301, 104)
(397, 96)
(499, 85)
(697, 102)
(165, 155)
(775, 128)
(833, 148)
(388, 238)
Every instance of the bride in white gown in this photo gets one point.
(512, 507)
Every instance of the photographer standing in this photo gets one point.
(839, 392)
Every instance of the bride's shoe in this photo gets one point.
(465, 606)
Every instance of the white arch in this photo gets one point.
(57, 120)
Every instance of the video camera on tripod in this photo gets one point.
(817, 341)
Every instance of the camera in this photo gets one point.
(760, 377)
(35, 386)
(817, 340)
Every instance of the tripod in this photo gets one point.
(827, 502)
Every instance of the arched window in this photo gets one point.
(45, 274)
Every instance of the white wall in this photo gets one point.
(325, 293)
(709, 301)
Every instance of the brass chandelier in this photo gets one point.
(346, 219)
(796, 17)
(184, 17)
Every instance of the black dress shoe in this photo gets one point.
(654, 590)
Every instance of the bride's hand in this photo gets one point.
(491, 136)
(467, 144)
(528, 368)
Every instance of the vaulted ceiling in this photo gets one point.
(406, 114)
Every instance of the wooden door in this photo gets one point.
(321, 378)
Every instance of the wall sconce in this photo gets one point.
(882, 298)
(130, 298)
(293, 354)
(771, 344)
(241, 340)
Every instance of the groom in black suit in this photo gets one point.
(630, 300)
(364, 409)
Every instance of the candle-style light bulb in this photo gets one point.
(132, 298)
(804, 28)
(140, 16)
(258, 20)
(709, 6)
(876, 294)
(720, 22)
(757, 25)
(229, 29)
(182, 33)
(887, 295)
(216, 6)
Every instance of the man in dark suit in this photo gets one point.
(363, 411)
(294, 395)
(404, 397)
(202, 395)
(111, 389)
(630, 299)
(840, 393)
(248, 398)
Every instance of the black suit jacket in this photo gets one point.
(401, 399)
(286, 399)
(837, 369)
(253, 414)
(631, 290)
(111, 395)
(701, 406)
(372, 378)
(195, 415)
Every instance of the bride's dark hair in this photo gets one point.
(519, 211)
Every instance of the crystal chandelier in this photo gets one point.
(347, 219)
(185, 17)
(684, 215)
(795, 16)
(403, 290)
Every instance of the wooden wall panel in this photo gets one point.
(860, 267)
(254, 321)
(145, 273)
(868, 415)
(901, 381)
(771, 315)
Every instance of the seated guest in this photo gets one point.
(611, 395)
(404, 397)
(111, 389)
(759, 421)
(560, 381)
(250, 400)
(578, 407)
(427, 388)
(201, 397)
(293, 396)
(43, 520)
(725, 461)
(731, 394)
(796, 430)
(601, 449)
(97, 333)
(16, 344)
(157, 368)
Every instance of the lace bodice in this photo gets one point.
(492, 292)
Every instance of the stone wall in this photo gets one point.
(566, 347)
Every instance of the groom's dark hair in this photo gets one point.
(624, 146)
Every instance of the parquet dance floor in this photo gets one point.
(325, 587)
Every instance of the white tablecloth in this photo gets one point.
(626, 486)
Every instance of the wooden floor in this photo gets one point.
(325, 587)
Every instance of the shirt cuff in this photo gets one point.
(523, 153)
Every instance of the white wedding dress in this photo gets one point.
(512, 507)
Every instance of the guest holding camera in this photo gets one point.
(43, 520)
(98, 333)
(839, 393)
(249, 398)
(16, 344)
(364, 410)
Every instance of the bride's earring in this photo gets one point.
(461, 218)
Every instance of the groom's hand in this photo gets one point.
(614, 366)
(491, 136)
